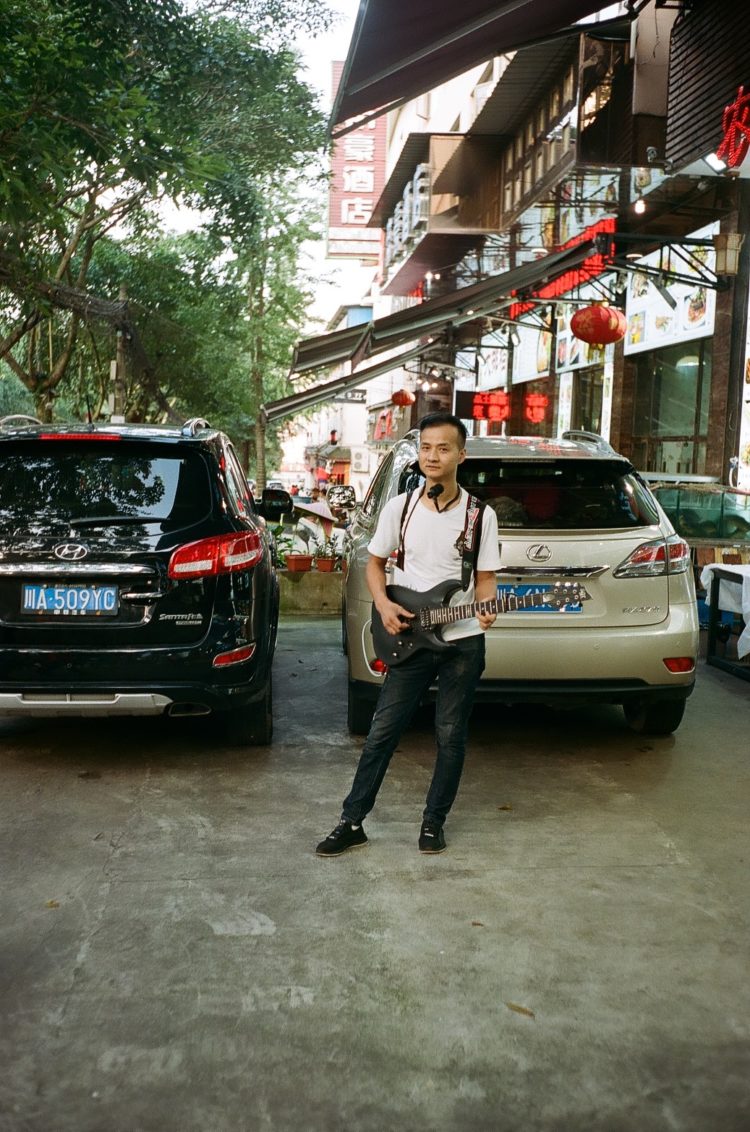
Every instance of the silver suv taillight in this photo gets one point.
(650, 559)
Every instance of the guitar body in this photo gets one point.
(393, 650)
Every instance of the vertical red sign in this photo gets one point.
(357, 179)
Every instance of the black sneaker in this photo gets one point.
(344, 836)
(431, 838)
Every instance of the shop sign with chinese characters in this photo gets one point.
(482, 405)
(357, 179)
(655, 321)
(492, 364)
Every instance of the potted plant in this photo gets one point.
(296, 562)
(327, 555)
(286, 556)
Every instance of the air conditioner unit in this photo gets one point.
(360, 461)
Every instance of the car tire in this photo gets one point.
(360, 710)
(251, 726)
(344, 634)
(658, 717)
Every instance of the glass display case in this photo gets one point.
(711, 512)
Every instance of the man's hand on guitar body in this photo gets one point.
(395, 618)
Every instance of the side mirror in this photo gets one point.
(341, 495)
(274, 503)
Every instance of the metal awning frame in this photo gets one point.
(324, 391)
(436, 315)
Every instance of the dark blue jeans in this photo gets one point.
(458, 670)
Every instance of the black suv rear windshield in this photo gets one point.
(89, 480)
(567, 494)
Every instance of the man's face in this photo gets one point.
(440, 452)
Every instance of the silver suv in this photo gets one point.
(569, 510)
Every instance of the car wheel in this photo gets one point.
(251, 726)
(360, 711)
(658, 717)
(344, 636)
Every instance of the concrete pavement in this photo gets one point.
(174, 958)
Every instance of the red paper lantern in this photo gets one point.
(403, 397)
(599, 324)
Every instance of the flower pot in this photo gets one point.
(298, 562)
(325, 564)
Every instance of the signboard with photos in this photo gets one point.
(653, 320)
(492, 364)
(532, 356)
(570, 352)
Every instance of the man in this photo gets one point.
(430, 529)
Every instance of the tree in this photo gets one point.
(106, 109)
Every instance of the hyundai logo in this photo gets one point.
(539, 552)
(70, 551)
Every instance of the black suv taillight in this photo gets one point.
(220, 554)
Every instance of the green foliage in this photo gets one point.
(14, 397)
(327, 548)
(105, 109)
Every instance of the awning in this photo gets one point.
(328, 349)
(400, 50)
(433, 316)
(325, 391)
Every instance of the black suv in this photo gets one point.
(136, 575)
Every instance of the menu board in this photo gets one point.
(663, 313)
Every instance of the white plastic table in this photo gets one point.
(734, 596)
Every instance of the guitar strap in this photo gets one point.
(472, 535)
(403, 525)
(467, 542)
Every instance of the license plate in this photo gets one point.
(70, 601)
(524, 591)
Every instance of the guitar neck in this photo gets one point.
(508, 603)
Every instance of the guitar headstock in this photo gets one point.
(566, 593)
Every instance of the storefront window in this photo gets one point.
(670, 420)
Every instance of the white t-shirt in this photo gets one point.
(432, 551)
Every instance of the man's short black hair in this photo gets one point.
(432, 420)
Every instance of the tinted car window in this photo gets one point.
(68, 480)
(566, 494)
(237, 484)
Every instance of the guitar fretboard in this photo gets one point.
(447, 614)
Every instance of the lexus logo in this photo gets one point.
(71, 551)
(539, 552)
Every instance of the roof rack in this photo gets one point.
(191, 427)
(20, 418)
(592, 438)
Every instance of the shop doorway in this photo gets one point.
(588, 398)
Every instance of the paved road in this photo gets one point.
(174, 958)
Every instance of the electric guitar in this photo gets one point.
(432, 610)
